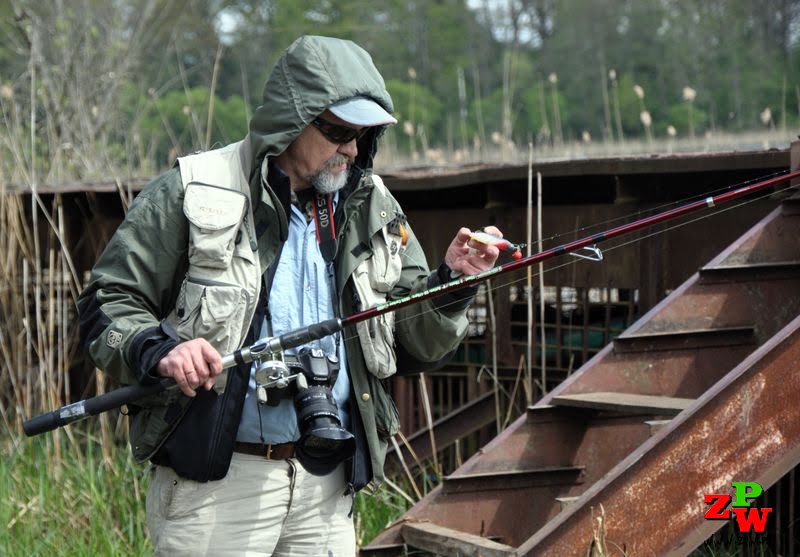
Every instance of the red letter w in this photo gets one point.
(747, 518)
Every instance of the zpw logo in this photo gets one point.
(747, 517)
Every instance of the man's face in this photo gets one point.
(314, 160)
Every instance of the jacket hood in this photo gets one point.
(313, 73)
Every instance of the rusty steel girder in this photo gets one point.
(745, 428)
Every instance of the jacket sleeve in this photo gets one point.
(134, 285)
(431, 330)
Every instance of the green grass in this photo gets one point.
(374, 512)
(80, 504)
(84, 505)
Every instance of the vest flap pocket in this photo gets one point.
(213, 208)
(386, 263)
(213, 311)
(376, 335)
(215, 216)
(222, 301)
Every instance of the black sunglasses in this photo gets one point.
(336, 133)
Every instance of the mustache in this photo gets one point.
(338, 159)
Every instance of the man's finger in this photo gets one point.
(462, 236)
(493, 230)
(199, 365)
(212, 358)
(192, 378)
(183, 383)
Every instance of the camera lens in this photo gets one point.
(323, 442)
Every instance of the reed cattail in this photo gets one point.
(689, 95)
(766, 116)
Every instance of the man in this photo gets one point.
(286, 228)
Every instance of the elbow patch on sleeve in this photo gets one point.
(92, 321)
(409, 365)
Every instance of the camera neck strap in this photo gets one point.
(326, 227)
(323, 213)
(326, 239)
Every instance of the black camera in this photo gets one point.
(323, 442)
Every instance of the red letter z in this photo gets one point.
(719, 503)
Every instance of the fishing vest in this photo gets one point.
(218, 295)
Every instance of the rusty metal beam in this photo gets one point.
(451, 543)
(685, 339)
(446, 430)
(745, 428)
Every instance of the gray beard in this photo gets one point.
(326, 181)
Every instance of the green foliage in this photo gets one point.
(375, 512)
(177, 121)
(416, 104)
(82, 506)
(686, 119)
(94, 64)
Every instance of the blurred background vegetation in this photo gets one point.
(90, 88)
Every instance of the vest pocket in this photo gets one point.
(215, 216)
(373, 280)
(212, 310)
(385, 264)
(387, 418)
(376, 335)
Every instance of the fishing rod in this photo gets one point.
(292, 339)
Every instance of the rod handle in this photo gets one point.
(92, 406)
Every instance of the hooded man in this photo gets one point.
(284, 229)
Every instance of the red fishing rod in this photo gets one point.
(292, 339)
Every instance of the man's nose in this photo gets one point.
(349, 149)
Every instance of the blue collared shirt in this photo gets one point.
(300, 296)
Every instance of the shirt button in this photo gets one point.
(365, 397)
(383, 214)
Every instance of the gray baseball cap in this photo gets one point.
(362, 111)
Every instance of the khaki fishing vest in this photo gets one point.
(219, 294)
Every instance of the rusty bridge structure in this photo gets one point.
(699, 391)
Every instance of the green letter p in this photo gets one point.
(744, 492)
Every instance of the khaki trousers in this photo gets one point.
(262, 507)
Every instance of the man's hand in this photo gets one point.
(191, 364)
(470, 257)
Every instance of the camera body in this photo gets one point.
(308, 379)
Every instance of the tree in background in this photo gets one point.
(105, 84)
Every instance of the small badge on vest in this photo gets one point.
(114, 339)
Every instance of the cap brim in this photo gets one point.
(362, 111)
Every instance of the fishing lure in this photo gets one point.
(500, 243)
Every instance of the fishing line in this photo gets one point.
(617, 246)
(659, 208)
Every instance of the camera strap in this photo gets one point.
(326, 227)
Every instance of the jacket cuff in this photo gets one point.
(148, 347)
(409, 365)
(455, 300)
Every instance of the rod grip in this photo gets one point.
(92, 406)
(42, 423)
(293, 339)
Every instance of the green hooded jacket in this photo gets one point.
(136, 281)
